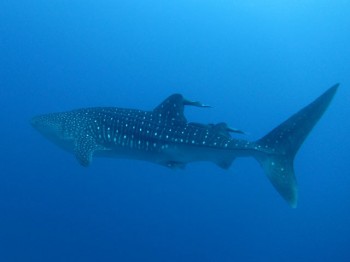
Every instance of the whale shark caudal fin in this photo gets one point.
(283, 142)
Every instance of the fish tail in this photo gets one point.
(279, 147)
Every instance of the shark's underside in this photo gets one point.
(165, 137)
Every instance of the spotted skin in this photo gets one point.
(164, 136)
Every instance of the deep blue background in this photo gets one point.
(256, 63)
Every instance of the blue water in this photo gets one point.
(255, 62)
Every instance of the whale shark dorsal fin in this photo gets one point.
(84, 148)
(172, 109)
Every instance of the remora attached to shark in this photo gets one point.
(164, 136)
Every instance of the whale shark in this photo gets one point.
(165, 137)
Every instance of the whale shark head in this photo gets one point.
(48, 125)
(51, 126)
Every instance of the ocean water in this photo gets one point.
(255, 62)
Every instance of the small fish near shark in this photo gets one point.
(164, 136)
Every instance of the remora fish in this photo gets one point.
(164, 136)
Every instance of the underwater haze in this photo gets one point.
(255, 62)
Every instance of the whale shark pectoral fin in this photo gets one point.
(84, 149)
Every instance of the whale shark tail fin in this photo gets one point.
(279, 147)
